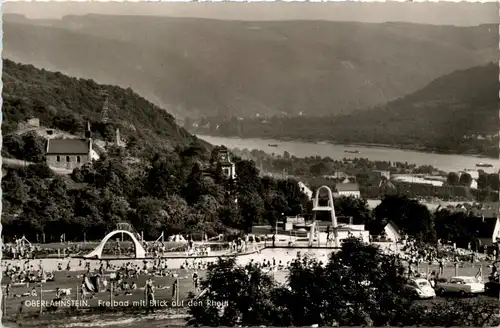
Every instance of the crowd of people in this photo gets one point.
(21, 248)
(104, 276)
(125, 275)
(26, 272)
(436, 258)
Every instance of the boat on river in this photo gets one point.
(351, 151)
(480, 164)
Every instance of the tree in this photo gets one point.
(132, 143)
(363, 179)
(114, 208)
(229, 214)
(295, 198)
(34, 148)
(465, 179)
(87, 207)
(493, 181)
(423, 169)
(458, 227)
(218, 175)
(247, 177)
(195, 150)
(149, 216)
(13, 145)
(452, 179)
(67, 121)
(453, 313)
(29, 222)
(356, 208)
(115, 151)
(251, 209)
(17, 191)
(244, 293)
(358, 286)
(205, 216)
(482, 180)
(193, 189)
(112, 174)
(40, 170)
(162, 177)
(320, 168)
(56, 211)
(409, 215)
(177, 214)
(275, 204)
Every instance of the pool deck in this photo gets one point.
(177, 256)
(213, 254)
(254, 248)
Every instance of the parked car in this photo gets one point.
(420, 288)
(492, 288)
(461, 285)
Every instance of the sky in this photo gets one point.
(437, 13)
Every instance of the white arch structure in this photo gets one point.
(330, 208)
(140, 252)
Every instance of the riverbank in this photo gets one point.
(421, 149)
(443, 162)
(415, 148)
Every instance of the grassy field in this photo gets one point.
(72, 280)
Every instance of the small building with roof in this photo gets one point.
(306, 190)
(68, 153)
(386, 232)
(347, 189)
(392, 232)
(228, 167)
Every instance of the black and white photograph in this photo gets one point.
(270, 164)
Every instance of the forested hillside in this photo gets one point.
(172, 186)
(67, 103)
(456, 113)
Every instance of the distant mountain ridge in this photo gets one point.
(443, 115)
(202, 67)
(456, 113)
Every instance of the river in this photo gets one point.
(444, 162)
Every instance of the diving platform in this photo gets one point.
(323, 208)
